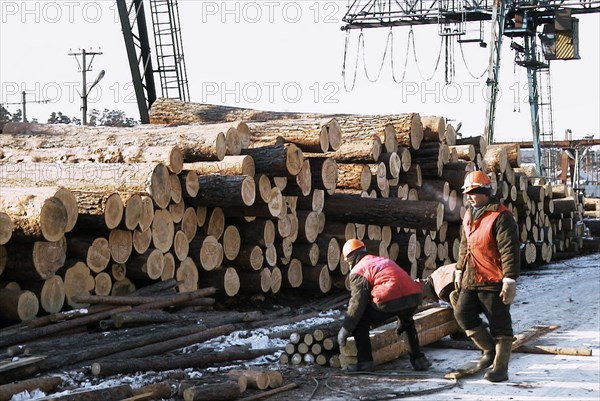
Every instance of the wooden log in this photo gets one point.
(77, 280)
(277, 160)
(46, 384)
(390, 211)
(35, 213)
(37, 261)
(324, 173)
(224, 190)
(230, 165)
(6, 228)
(18, 305)
(316, 279)
(197, 143)
(301, 184)
(495, 159)
(150, 178)
(255, 379)
(117, 392)
(50, 293)
(120, 243)
(434, 128)
(213, 392)
(353, 176)
(310, 135)
(225, 279)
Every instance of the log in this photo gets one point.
(324, 172)
(197, 143)
(226, 280)
(224, 190)
(113, 393)
(6, 228)
(310, 135)
(389, 211)
(120, 243)
(149, 178)
(353, 176)
(37, 261)
(213, 392)
(495, 159)
(18, 305)
(230, 165)
(35, 213)
(45, 384)
(277, 160)
(434, 128)
(254, 378)
(51, 293)
(163, 362)
(77, 280)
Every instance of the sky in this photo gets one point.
(289, 56)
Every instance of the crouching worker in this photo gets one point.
(380, 290)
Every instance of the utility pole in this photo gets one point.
(23, 104)
(84, 67)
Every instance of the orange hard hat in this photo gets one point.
(352, 245)
(476, 179)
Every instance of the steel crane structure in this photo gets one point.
(168, 46)
(513, 18)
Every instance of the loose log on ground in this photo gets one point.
(47, 384)
(196, 360)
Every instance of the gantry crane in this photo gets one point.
(512, 18)
(168, 46)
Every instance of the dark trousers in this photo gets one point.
(373, 318)
(472, 303)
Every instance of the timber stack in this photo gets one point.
(246, 201)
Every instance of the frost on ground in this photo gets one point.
(564, 293)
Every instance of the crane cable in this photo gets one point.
(389, 46)
(462, 53)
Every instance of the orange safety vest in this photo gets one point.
(482, 247)
(388, 280)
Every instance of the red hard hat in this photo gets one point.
(352, 245)
(476, 179)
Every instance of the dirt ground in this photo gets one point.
(564, 293)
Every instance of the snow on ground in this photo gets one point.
(564, 293)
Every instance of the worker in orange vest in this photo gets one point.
(486, 271)
(380, 290)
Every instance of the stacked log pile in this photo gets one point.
(248, 203)
(249, 206)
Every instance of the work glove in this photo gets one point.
(509, 290)
(343, 336)
(457, 279)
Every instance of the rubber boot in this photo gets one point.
(499, 372)
(485, 342)
(418, 360)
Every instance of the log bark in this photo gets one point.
(434, 128)
(213, 392)
(388, 211)
(46, 384)
(35, 213)
(310, 135)
(150, 178)
(277, 160)
(37, 261)
(230, 165)
(353, 176)
(18, 305)
(197, 143)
